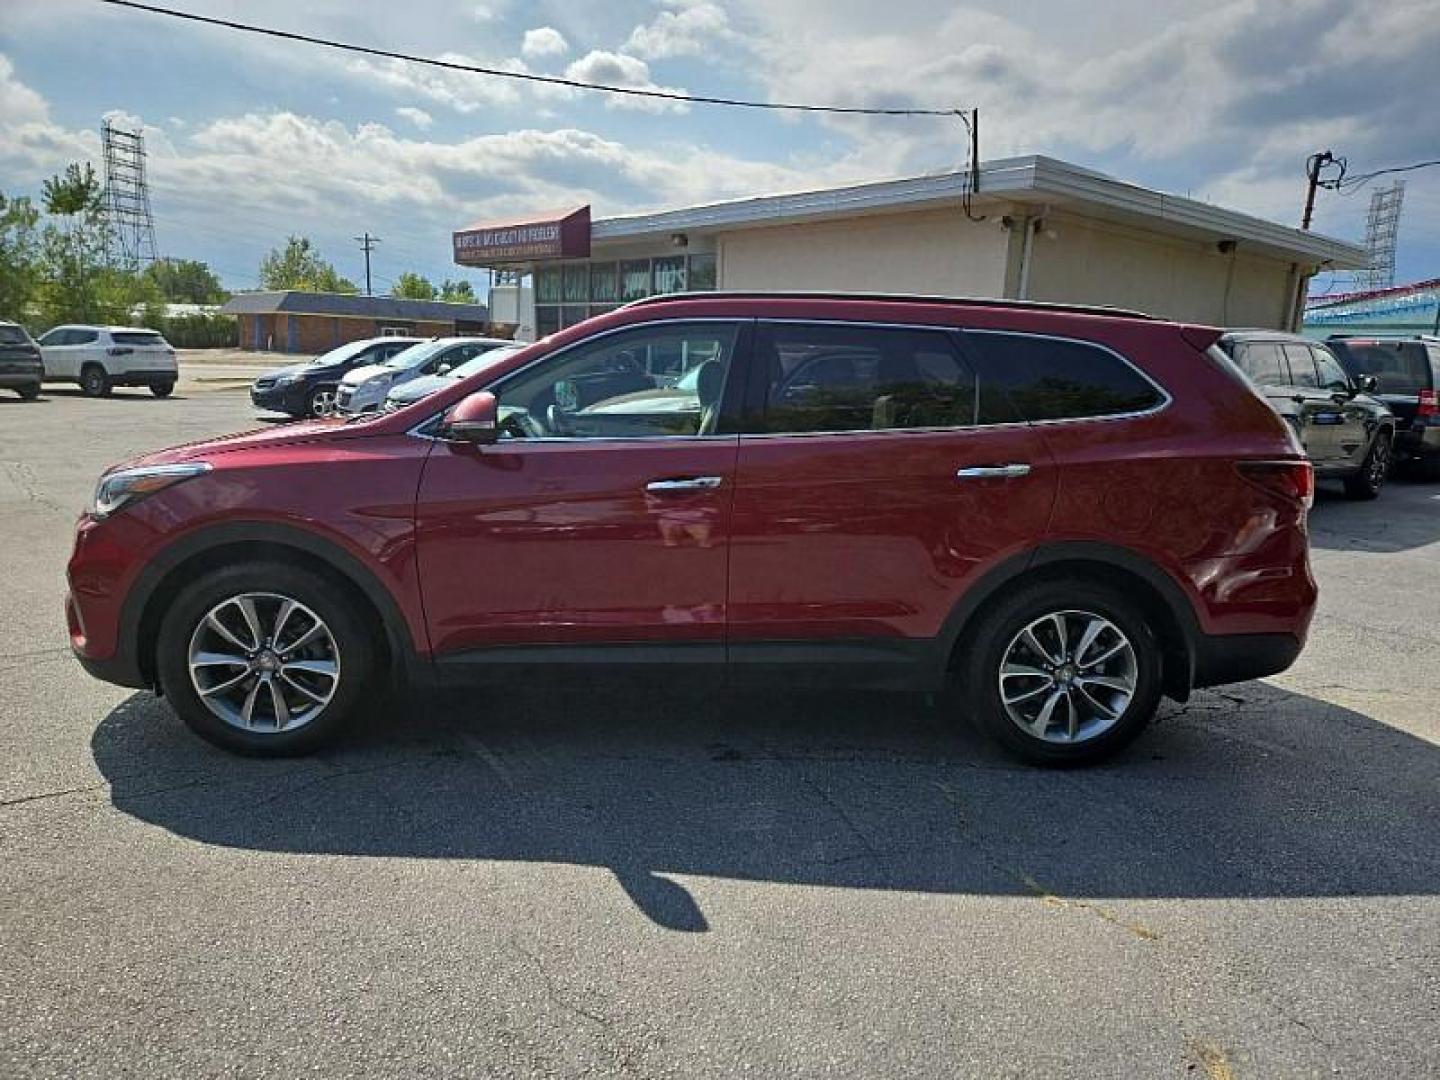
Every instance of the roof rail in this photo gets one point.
(892, 298)
(1391, 335)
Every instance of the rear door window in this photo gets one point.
(81, 337)
(832, 377)
(1332, 375)
(13, 335)
(1302, 366)
(1264, 362)
(1048, 378)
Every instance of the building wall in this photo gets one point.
(315, 334)
(934, 251)
(1093, 262)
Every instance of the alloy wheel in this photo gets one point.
(263, 662)
(1068, 677)
(323, 403)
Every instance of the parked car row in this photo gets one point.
(96, 358)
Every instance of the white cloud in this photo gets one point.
(618, 69)
(419, 117)
(686, 29)
(489, 11)
(542, 42)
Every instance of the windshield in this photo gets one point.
(1400, 367)
(13, 335)
(484, 360)
(341, 354)
(416, 354)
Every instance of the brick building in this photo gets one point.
(310, 322)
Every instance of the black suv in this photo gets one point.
(1407, 373)
(1347, 434)
(21, 368)
(309, 389)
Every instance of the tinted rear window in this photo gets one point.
(13, 335)
(137, 337)
(1055, 379)
(1400, 367)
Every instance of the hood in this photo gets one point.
(293, 369)
(424, 386)
(279, 435)
(366, 373)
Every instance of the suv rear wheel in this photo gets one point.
(94, 382)
(1374, 470)
(265, 659)
(162, 389)
(1063, 672)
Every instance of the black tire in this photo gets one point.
(1374, 470)
(321, 402)
(984, 649)
(94, 381)
(28, 393)
(356, 651)
(162, 389)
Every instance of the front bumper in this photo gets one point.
(361, 398)
(290, 398)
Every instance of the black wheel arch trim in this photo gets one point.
(129, 667)
(1180, 659)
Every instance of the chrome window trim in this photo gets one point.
(738, 321)
(1165, 397)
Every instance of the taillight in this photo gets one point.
(116, 350)
(1293, 480)
(1428, 405)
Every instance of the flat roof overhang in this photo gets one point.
(1036, 181)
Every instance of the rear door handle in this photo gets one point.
(982, 472)
(687, 483)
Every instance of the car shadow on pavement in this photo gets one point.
(1405, 516)
(1252, 792)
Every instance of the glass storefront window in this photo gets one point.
(702, 273)
(634, 279)
(547, 320)
(547, 285)
(604, 288)
(670, 274)
(572, 314)
(577, 282)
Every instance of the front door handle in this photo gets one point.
(681, 484)
(983, 472)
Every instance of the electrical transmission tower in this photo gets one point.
(1382, 228)
(131, 243)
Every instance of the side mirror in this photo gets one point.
(1367, 384)
(474, 420)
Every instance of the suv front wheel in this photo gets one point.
(1366, 483)
(1063, 672)
(265, 659)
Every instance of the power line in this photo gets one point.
(1364, 178)
(522, 76)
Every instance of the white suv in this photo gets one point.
(102, 357)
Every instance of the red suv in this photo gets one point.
(1065, 512)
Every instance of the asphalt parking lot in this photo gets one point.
(650, 882)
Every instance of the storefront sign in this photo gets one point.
(552, 236)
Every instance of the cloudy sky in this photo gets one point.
(252, 139)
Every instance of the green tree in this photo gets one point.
(457, 292)
(186, 281)
(77, 283)
(20, 271)
(299, 266)
(412, 286)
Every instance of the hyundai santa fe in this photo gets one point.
(1065, 514)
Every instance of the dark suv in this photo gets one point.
(310, 389)
(1347, 434)
(1067, 513)
(21, 368)
(1407, 373)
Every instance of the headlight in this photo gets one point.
(124, 486)
(287, 380)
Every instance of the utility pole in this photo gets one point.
(1312, 174)
(367, 244)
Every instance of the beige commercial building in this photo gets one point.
(1036, 229)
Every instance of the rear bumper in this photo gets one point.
(1231, 658)
(11, 379)
(148, 377)
(1416, 440)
